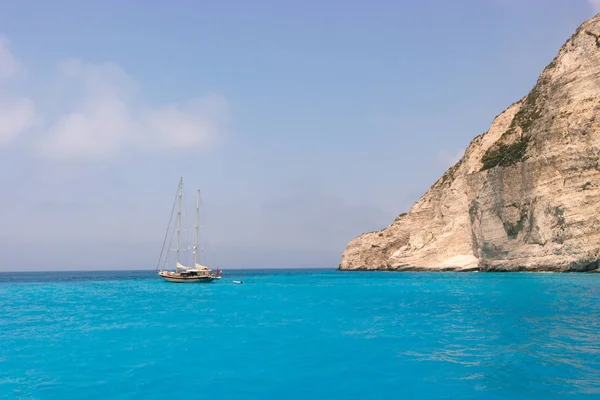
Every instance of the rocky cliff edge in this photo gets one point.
(525, 195)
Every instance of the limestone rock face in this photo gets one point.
(525, 195)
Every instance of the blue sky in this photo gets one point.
(304, 123)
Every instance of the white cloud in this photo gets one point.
(196, 124)
(595, 4)
(97, 113)
(16, 116)
(105, 118)
(100, 128)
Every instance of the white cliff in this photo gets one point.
(525, 195)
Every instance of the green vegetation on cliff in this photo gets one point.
(509, 154)
(505, 154)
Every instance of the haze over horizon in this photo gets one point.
(303, 125)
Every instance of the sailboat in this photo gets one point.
(183, 274)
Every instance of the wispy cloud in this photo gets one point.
(17, 114)
(595, 4)
(100, 115)
(450, 158)
(8, 63)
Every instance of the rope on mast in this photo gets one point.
(167, 232)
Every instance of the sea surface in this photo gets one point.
(300, 334)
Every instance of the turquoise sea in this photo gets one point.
(300, 334)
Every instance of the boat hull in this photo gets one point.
(177, 278)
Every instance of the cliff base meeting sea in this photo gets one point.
(300, 334)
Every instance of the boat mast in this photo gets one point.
(197, 225)
(179, 219)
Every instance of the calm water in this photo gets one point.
(300, 335)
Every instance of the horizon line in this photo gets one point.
(149, 270)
